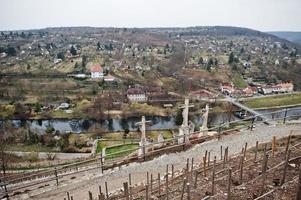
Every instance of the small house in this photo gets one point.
(96, 71)
(286, 87)
(268, 89)
(3, 55)
(109, 78)
(64, 106)
(136, 95)
(203, 95)
(247, 65)
(227, 88)
(249, 91)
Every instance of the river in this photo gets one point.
(120, 124)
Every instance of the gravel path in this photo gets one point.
(89, 181)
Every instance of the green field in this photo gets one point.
(112, 152)
(239, 81)
(274, 101)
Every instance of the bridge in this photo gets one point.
(250, 110)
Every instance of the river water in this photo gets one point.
(120, 124)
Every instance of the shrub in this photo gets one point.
(32, 157)
(51, 156)
(70, 149)
(49, 130)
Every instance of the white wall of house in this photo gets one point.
(137, 97)
(268, 90)
(96, 75)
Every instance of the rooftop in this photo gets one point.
(96, 68)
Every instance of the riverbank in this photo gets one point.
(274, 102)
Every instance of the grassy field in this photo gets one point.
(116, 140)
(274, 101)
(239, 82)
(128, 148)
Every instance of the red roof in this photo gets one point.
(135, 91)
(96, 68)
(285, 85)
(250, 90)
(201, 93)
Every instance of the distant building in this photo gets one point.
(96, 71)
(286, 87)
(268, 89)
(247, 65)
(80, 75)
(277, 88)
(203, 95)
(57, 60)
(109, 78)
(63, 106)
(136, 95)
(227, 88)
(249, 91)
(3, 55)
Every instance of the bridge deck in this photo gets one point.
(250, 110)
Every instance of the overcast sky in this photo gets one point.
(264, 15)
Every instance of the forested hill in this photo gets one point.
(290, 36)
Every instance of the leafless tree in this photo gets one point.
(5, 158)
(230, 110)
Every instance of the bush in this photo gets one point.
(51, 156)
(70, 149)
(37, 107)
(49, 130)
(32, 157)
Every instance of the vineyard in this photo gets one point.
(268, 171)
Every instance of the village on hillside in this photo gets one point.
(86, 111)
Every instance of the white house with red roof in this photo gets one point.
(227, 88)
(277, 88)
(249, 91)
(286, 87)
(96, 71)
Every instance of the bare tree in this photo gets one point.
(5, 158)
(230, 110)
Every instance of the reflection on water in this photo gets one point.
(120, 124)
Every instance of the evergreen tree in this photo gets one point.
(209, 64)
(61, 55)
(242, 50)
(2, 49)
(111, 47)
(73, 50)
(11, 51)
(179, 117)
(37, 107)
(201, 61)
(215, 62)
(231, 58)
(23, 35)
(84, 61)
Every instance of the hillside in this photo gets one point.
(290, 36)
(178, 60)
